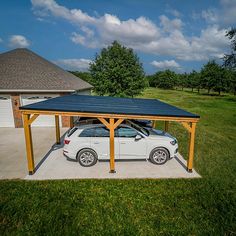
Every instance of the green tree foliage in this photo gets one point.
(182, 80)
(116, 71)
(86, 76)
(232, 80)
(214, 77)
(163, 79)
(230, 59)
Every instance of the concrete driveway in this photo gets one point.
(56, 166)
(52, 164)
(13, 163)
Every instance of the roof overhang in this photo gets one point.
(42, 91)
(110, 107)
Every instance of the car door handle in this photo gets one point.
(96, 143)
(122, 142)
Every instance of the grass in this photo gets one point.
(204, 206)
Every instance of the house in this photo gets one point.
(26, 78)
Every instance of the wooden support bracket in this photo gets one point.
(104, 122)
(32, 118)
(118, 122)
(187, 126)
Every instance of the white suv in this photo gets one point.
(89, 143)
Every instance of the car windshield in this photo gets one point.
(139, 128)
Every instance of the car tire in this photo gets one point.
(87, 157)
(159, 156)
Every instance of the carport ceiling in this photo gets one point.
(109, 105)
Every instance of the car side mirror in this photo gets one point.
(138, 137)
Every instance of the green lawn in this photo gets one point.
(204, 206)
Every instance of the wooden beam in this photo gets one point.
(58, 141)
(29, 144)
(118, 122)
(166, 126)
(112, 146)
(187, 126)
(115, 116)
(31, 120)
(104, 122)
(191, 148)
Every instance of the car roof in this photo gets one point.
(89, 126)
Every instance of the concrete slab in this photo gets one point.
(56, 166)
(13, 163)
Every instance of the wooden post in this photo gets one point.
(71, 122)
(154, 123)
(191, 147)
(28, 143)
(166, 126)
(58, 141)
(112, 146)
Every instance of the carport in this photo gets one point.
(111, 111)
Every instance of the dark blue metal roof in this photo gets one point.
(109, 105)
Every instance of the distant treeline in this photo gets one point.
(212, 77)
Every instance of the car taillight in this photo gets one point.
(66, 141)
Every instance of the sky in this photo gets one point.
(180, 35)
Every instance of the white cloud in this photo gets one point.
(174, 12)
(166, 64)
(170, 25)
(225, 16)
(1, 40)
(210, 15)
(18, 41)
(142, 34)
(74, 64)
(228, 15)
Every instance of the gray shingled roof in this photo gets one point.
(22, 69)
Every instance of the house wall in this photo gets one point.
(16, 103)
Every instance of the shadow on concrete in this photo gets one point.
(54, 147)
(180, 162)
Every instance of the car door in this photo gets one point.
(101, 143)
(130, 148)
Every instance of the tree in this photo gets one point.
(230, 59)
(164, 79)
(213, 76)
(182, 80)
(86, 76)
(117, 71)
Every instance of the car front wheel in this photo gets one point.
(87, 157)
(159, 156)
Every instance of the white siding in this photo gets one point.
(6, 112)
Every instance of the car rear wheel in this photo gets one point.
(159, 156)
(87, 157)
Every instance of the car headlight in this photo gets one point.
(173, 142)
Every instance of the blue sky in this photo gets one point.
(179, 35)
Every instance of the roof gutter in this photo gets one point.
(39, 91)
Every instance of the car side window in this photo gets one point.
(125, 132)
(87, 133)
(102, 132)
